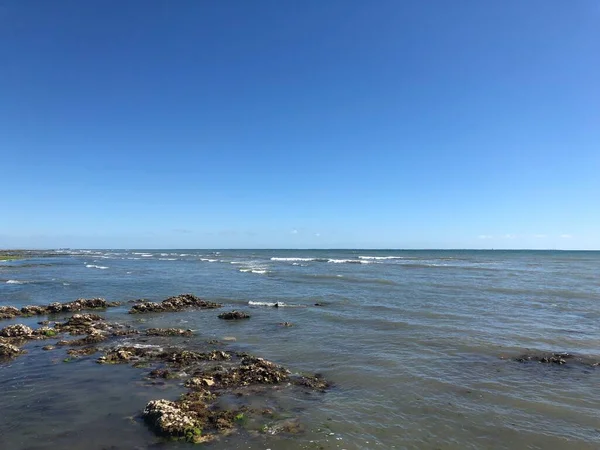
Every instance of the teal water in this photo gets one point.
(418, 344)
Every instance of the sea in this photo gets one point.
(419, 346)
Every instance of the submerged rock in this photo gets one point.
(234, 315)
(169, 332)
(172, 304)
(557, 359)
(17, 330)
(315, 382)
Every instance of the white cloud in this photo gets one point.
(509, 236)
(485, 236)
(317, 234)
(294, 231)
(540, 236)
(566, 236)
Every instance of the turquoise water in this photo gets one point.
(418, 344)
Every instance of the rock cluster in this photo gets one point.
(10, 312)
(172, 304)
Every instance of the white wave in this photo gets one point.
(293, 259)
(208, 260)
(66, 284)
(380, 257)
(185, 254)
(349, 261)
(147, 255)
(237, 262)
(94, 266)
(259, 271)
(15, 282)
(274, 304)
(167, 259)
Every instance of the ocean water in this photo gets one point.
(417, 343)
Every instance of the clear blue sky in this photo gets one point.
(337, 123)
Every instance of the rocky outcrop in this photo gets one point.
(10, 312)
(17, 330)
(172, 304)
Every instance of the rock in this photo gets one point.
(315, 382)
(48, 347)
(125, 354)
(169, 332)
(234, 315)
(252, 371)
(286, 324)
(82, 324)
(169, 419)
(171, 304)
(45, 332)
(559, 359)
(9, 350)
(33, 310)
(17, 330)
(86, 351)
(9, 312)
(161, 373)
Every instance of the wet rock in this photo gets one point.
(315, 382)
(9, 312)
(161, 373)
(17, 330)
(9, 350)
(48, 347)
(45, 332)
(169, 332)
(126, 354)
(82, 324)
(199, 382)
(86, 351)
(286, 324)
(171, 304)
(234, 315)
(180, 358)
(33, 310)
(557, 359)
(80, 304)
(92, 338)
(170, 419)
(252, 370)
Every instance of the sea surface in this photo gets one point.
(418, 345)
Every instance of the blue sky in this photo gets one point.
(338, 123)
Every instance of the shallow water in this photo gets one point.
(418, 346)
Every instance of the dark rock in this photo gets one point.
(48, 347)
(315, 382)
(286, 324)
(234, 315)
(169, 332)
(171, 304)
(559, 359)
